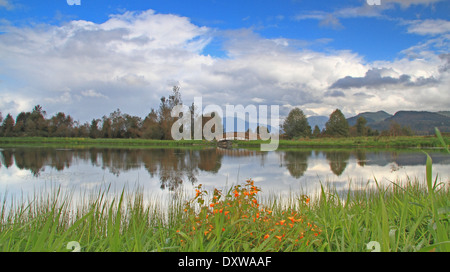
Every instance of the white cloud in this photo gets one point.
(92, 93)
(429, 27)
(132, 58)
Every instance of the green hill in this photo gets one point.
(421, 122)
(371, 117)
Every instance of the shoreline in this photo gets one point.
(427, 142)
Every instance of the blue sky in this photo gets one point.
(89, 59)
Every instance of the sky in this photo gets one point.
(90, 59)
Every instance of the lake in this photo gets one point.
(165, 171)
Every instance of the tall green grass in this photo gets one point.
(398, 218)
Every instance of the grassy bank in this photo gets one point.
(90, 142)
(351, 142)
(355, 142)
(413, 217)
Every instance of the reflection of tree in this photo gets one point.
(210, 161)
(296, 162)
(361, 157)
(32, 159)
(173, 166)
(8, 158)
(338, 160)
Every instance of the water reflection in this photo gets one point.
(173, 167)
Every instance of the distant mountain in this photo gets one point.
(421, 122)
(445, 113)
(320, 121)
(242, 126)
(371, 117)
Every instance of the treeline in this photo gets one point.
(296, 126)
(156, 125)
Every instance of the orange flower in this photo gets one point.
(236, 193)
(279, 237)
(307, 200)
(282, 222)
(266, 236)
(226, 212)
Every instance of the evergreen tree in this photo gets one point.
(296, 124)
(337, 125)
(8, 126)
(316, 132)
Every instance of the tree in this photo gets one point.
(296, 124)
(118, 127)
(61, 125)
(316, 132)
(132, 126)
(150, 126)
(40, 125)
(360, 125)
(106, 131)
(19, 127)
(8, 126)
(94, 132)
(337, 125)
(165, 108)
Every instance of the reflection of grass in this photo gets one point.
(407, 218)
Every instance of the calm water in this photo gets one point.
(163, 171)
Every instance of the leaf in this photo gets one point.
(441, 139)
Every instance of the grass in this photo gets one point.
(375, 141)
(380, 142)
(102, 142)
(411, 217)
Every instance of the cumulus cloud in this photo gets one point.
(90, 69)
(128, 58)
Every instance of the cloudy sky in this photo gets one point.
(88, 60)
